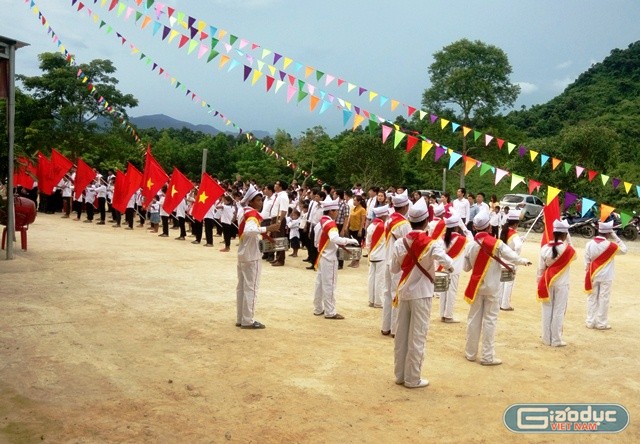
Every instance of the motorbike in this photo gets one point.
(630, 231)
(538, 224)
(584, 226)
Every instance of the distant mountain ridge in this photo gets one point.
(162, 121)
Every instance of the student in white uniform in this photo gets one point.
(415, 257)
(509, 235)
(376, 244)
(553, 282)
(599, 255)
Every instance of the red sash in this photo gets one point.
(250, 213)
(480, 267)
(327, 225)
(395, 220)
(377, 235)
(553, 271)
(596, 265)
(420, 245)
(510, 234)
(439, 229)
(458, 242)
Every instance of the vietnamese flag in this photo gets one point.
(60, 166)
(178, 187)
(154, 177)
(551, 214)
(120, 188)
(134, 180)
(84, 176)
(208, 192)
(44, 174)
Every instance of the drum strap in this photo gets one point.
(500, 261)
(415, 259)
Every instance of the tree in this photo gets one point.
(364, 159)
(474, 77)
(68, 108)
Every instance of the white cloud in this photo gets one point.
(527, 88)
(564, 65)
(559, 85)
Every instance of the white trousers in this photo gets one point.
(553, 314)
(389, 313)
(598, 304)
(246, 290)
(411, 336)
(506, 288)
(483, 318)
(376, 282)
(448, 298)
(327, 276)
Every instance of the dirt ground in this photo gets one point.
(108, 335)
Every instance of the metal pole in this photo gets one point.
(11, 110)
(444, 180)
(204, 160)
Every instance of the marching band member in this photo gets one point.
(456, 240)
(599, 254)
(414, 257)
(436, 227)
(483, 259)
(396, 228)
(510, 236)
(553, 282)
(376, 245)
(327, 241)
(249, 263)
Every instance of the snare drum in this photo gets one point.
(441, 283)
(281, 243)
(352, 254)
(507, 274)
(266, 246)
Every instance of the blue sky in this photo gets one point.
(385, 47)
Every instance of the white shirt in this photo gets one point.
(161, 202)
(462, 207)
(267, 205)
(248, 249)
(594, 248)
(227, 214)
(181, 209)
(331, 249)
(417, 285)
(482, 207)
(547, 260)
(294, 227)
(379, 253)
(210, 212)
(281, 204)
(315, 213)
(101, 191)
(90, 194)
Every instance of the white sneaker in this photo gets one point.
(590, 326)
(559, 344)
(420, 384)
(495, 361)
(604, 327)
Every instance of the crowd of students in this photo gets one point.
(412, 241)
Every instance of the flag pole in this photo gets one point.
(524, 238)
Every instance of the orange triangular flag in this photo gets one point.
(555, 162)
(605, 211)
(468, 164)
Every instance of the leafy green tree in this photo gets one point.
(473, 77)
(68, 110)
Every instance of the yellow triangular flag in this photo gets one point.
(552, 193)
(357, 120)
(627, 186)
(533, 155)
(287, 62)
(307, 71)
(272, 70)
(426, 147)
(223, 61)
(256, 75)
(422, 114)
(348, 105)
(221, 33)
(465, 131)
(372, 95)
(443, 123)
(173, 34)
(394, 104)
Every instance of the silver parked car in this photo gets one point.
(530, 205)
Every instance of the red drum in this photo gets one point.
(25, 211)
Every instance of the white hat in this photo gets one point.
(330, 204)
(481, 220)
(400, 200)
(560, 226)
(605, 227)
(438, 210)
(249, 195)
(418, 212)
(513, 215)
(381, 211)
(452, 221)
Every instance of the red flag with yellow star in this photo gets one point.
(208, 192)
(178, 187)
(153, 179)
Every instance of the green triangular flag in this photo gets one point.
(484, 168)
(232, 39)
(302, 95)
(102, 23)
(476, 134)
(373, 127)
(319, 75)
(625, 218)
(300, 84)
(214, 42)
(192, 45)
(212, 55)
(567, 167)
(141, 56)
(604, 178)
(138, 16)
(397, 138)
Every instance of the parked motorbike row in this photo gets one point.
(587, 226)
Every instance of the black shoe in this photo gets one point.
(255, 326)
(310, 267)
(195, 242)
(163, 235)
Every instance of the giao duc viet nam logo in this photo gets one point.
(566, 418)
